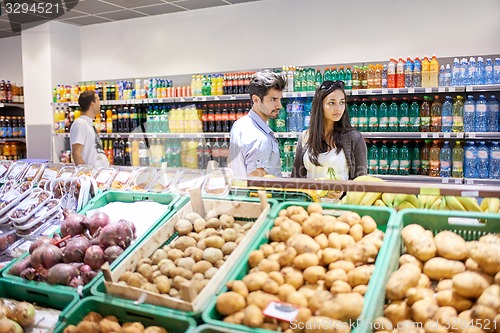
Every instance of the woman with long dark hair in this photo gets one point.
(331, 148)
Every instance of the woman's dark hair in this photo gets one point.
(264, 81)
(316, 144)
(86, 98)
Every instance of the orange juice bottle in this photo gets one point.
(426, 72)
(109, 121)
(434, 72)
(56, 120)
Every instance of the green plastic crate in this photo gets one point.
(386, 221)
(126, 312)
(60, 300)
(173, 201)
(211, 329)
(436, 221)
(280, 196)
(99, 288)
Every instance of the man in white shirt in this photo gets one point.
(86, 146)
(254, 151)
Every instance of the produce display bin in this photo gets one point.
(386, 221)
(126, 312)
(279, 195)
(469, 225)
(243, 209)
(48, 298)
(173, 201)
(211, 329)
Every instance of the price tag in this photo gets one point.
(430, 191)
(369, 91)
(424, 135)
(441, 89)
(411, 90)
(154, 136)
(435, 135)
(385, 91)
(469, 181)
(396, 91)
(181, 135)
(458, 180)
(122, 177)
(354, 92)
(199, 135)
(445, 180)
(281, 311)
(303, 94)
(204, 98)
(463, 221)
(31, 172)
(233, 97)
(11, 195)
(451, 89)
(469, 194)
(295, 94)
(428, 90)
(103, 177)
(446, 135)
(472, 135)
(216, 98)
(460, 135)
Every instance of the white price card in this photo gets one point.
(396, 91)
(103, 177)
(11, 195)
(435, 135)
(441, 89)
(385, 91)
(354, 92)
(281, 311)
(369, 92)
(447, 135)
(460, 135)
(411, 90)
(303, 94)
(428, 90)
(469, 181)
(233, 97)
(295, 94)
(445, 180)
(49, 174)
(424, 135)
(204, 98)
(31, 172)
(65, 175)
(122, 177)
(451, 89)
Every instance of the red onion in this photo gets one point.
(46, 255)
(96, 222)
(94, 257)
(40, 241)
(120, 234)
(112, 252)
(75, 250)
(73, 225)
(62, 274)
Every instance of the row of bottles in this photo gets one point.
(11, 92)
(12, 150)
(434, 158)
(12, 127)
(412, 72)
(481, 115)
(287, 153)
(470, 72)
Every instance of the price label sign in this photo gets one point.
(354, 92)
(441, 89)
(451, 89)
(281, 311)
(435, 135)
(385, 91)
(411, 90)
(396, 91)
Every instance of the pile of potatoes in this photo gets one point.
(183, 268)
(320, 263)
(444, 284)
(93, 322)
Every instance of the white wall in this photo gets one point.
(11, 66)
(274, 33)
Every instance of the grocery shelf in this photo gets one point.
(478, 181)
(238, 97)
(483, 135)
(12, 140)
(12, 105)
(488, 87)
(415, 187)
(102, 135)
(395, 91)
(421, 179)
(296, 94)
(412, 135)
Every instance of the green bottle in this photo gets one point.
(328, 74)
(404, 116)
(341, 74)
(383, 153)
(310, 79)
(393, 116)
(335, 74)
(394, 159)
(457, 158)
(383, 116)
(415, 159)
(348, 78)
(280, 121)
(318, 79)
(415, 115)
(363, 116)
(404, 159)
(354, 113)
(373, 158)
(373, 116)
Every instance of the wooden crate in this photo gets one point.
(241, 210)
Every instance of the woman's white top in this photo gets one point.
(328, 161)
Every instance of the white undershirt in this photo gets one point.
(327, 160)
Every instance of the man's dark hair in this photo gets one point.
(264, 81)
(86, 98)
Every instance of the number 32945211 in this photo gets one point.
(33, 8)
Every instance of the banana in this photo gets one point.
(411, 198)
(493, 205)
(454, 204)
(379, 203)
(470, 204)
(388, 199)
(443, 205)
(367, 178)
(354, 198)
(405, 205)
(422, 199)
(484, 204)
(370, 198)
(436, 205)
(431, 199)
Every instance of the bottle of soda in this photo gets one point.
(143, 153)
(404, 159)
(434, 162)
(383, 116)
(384, 159)
(408, 73)
(363, 115)
(400, 73)
(318, 78)
(202, 163)
(128, 153)
(364, 77)
(391, 74)
(207, 152)
(404, 116)
(224, 153)
(232, 116)
(457, 157)
(446, 115)
(211, 118)
(436, 115)
(424, 158)
(394, 159)
(225, 118)
(393, 116)
(373, 158)
(415, 115)
(354, 113)
(373, 116)
(218, 118)
(116, 153)
(356, 80)
(415, 159)
(426, 72)
(425, 115)
(445, 160)
(348, 78)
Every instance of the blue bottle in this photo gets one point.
(446, 115)
(417, 72)
(479, 77)
(463, 72)
(307, 113)
(470, 168)
(494, 171)
(445, 160)
(492, 115)
(483, 160)
(408, 72)
(488, 72)
(481, 110)
(470, 73)
(496, 71)
(455, 75)
(441, 77)
(447, 76)
(469, 114)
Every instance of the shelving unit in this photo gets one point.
(14, 105)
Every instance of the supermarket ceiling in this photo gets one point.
(86, 12)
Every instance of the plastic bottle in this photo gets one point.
(455, 77)
(436, 115)
(328, 74)
(464, 68)
(445, 160)
(393, 114)
(426, 72)
(447, 115)
(363, 116)
(417, 72)
(458, 115)
(470, 169)
(479, 74)
(494, 171)
(469, 114)
(470, 72)
(354, 113)
(391, 74)
(348, 78)
(384, 159)
(447, 76)
(378, 76)
(415, 115)
(424, 158)
(492, 115)
(318, 79)
(356, 82)
(434, 163)
(488, 72)
(457, 157)
(434, 72)
(441, 76)
(370, 77)
(383, 116)
(481, 112)
(400, 73)
(341, 74)
(384, 77)
(404, 116)
(415, 159)
(335, 73)
(373, 116)
(404, 159)
(364, 77)
(483, 160)
(394, 158)
(496, 71)
(373, 158)
(425, 115)
(408, 70)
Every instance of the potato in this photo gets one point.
(339, 286)
(158, 255)
(87, 326)
(346, 306)
(368, 224)
(226, 221)
(322, 241)
(287, 256)
(321, 324)
(108, 326)
(356, 232)
(136, 280)
(314, 208)
(228, 247)
(186, 263)
(419, 242)
(346, 241)
(491, 297)
(195, 253)
(235, 318)
(409, 259)
(182, 243)
(70, 329)
(174, 292)
(451, 246)
(441, 268)
(424, 281)
(293, 277)
(253, 316)
(451, 298)
(145, 270)
(416, 294)
(214, 241)
(351, 218)
(145, 261)
(312, 226)
(486, 256)
(261, 299)
(309, 289)
(360, 275)
(151, 287)
(211, 272)
(135, 327)
(313, 274)
(201, 266)
(470, 284)
(267, 266)
(275, 234)
(213, 222)
(183, 226)
(163, 284)
(497, 278)
(330, 255)
(284, 291)
(303, 244)
(424, 309)
(230, 302)
(397, 311)
(334, 241)
(279, 219)
(302, 261)
(328, 224)
(360, 289)
(401, 280)
(174, 254)
(333, 275)
(211, 255)
(360, 253)
(288, 229)
(179, 271)
(483, 316)
(255, 257)
(471, 265)
(433, 327)
(446, 284)
(255, 281)
(342, 264)
(277, 276)
(297, 298)
(299, 218)
(271, 286)
(445, 315)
